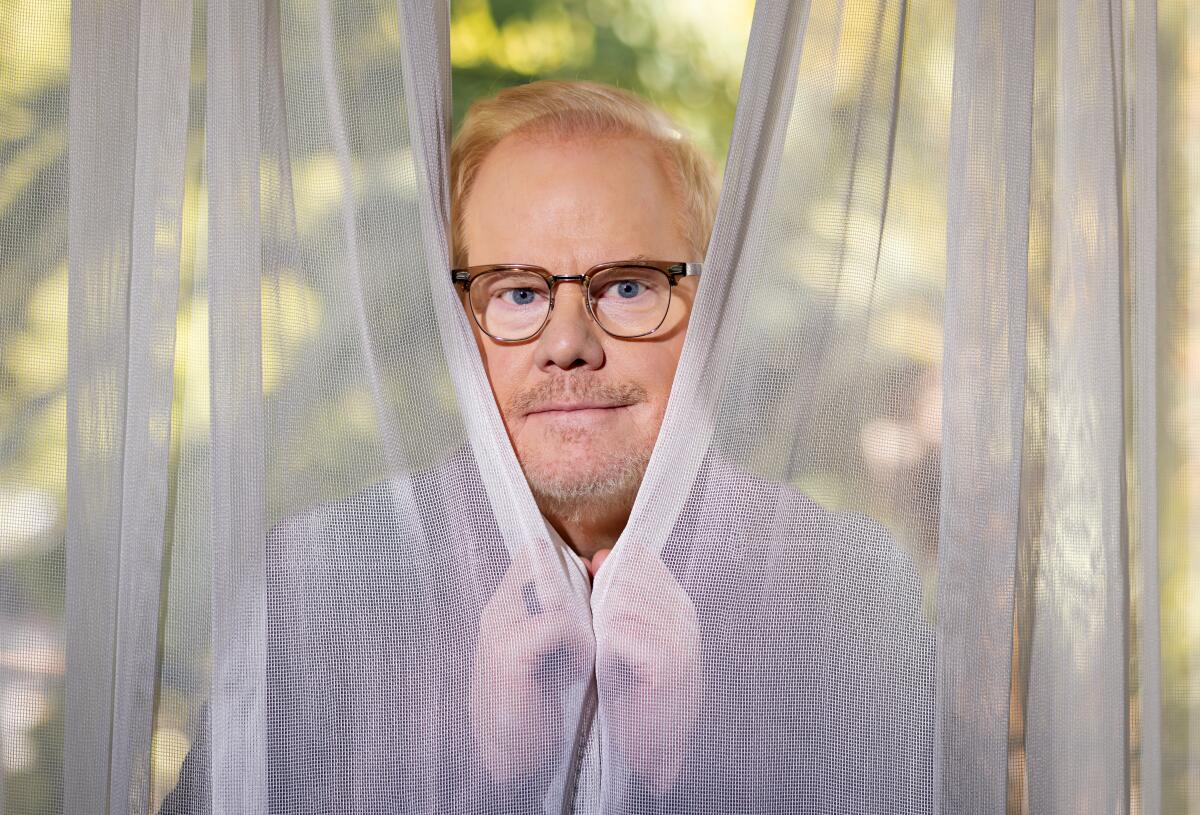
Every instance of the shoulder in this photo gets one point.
(858, 548)
(366, 515)
(844, 568)
(368, 560)
(864, 566)
(800, 527)
(816, 621)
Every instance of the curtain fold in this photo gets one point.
(776, 41)
(1141, 187)
(128, 190)
(238, 267)
(160, 140)
(1079, 663)
(96, 425)
(914, 536)
(983, 416)
(427, 82)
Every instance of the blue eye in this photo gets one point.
(520, 297)
(628, 289)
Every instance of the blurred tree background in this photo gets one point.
(686, 55)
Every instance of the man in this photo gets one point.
(592, 185)
(778, 664)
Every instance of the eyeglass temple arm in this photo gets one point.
(685, 270)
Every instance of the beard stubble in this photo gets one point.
(606, 480)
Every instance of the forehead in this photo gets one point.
(574, 201)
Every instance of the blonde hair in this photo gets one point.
(573, 109)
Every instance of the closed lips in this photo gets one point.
(564, 407)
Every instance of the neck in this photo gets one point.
(587, 527)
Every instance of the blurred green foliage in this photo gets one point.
(1179, 399)
(34, 52)
(684, 55)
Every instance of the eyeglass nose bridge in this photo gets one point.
(585, 283)
(555, 279)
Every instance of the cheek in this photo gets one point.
(507, 370)
(666, 373)
(651, 365)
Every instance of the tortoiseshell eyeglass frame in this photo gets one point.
(673, 270)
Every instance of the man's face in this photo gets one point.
(582, 408)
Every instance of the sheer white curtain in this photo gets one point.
(1049, 449)
(897, 549)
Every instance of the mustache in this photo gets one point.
(576, 390)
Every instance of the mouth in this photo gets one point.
(551, 409)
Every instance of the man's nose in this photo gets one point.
(571, 339)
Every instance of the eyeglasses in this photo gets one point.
(511, 302)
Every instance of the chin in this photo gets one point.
(583, 482)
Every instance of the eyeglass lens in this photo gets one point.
(627, 301)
